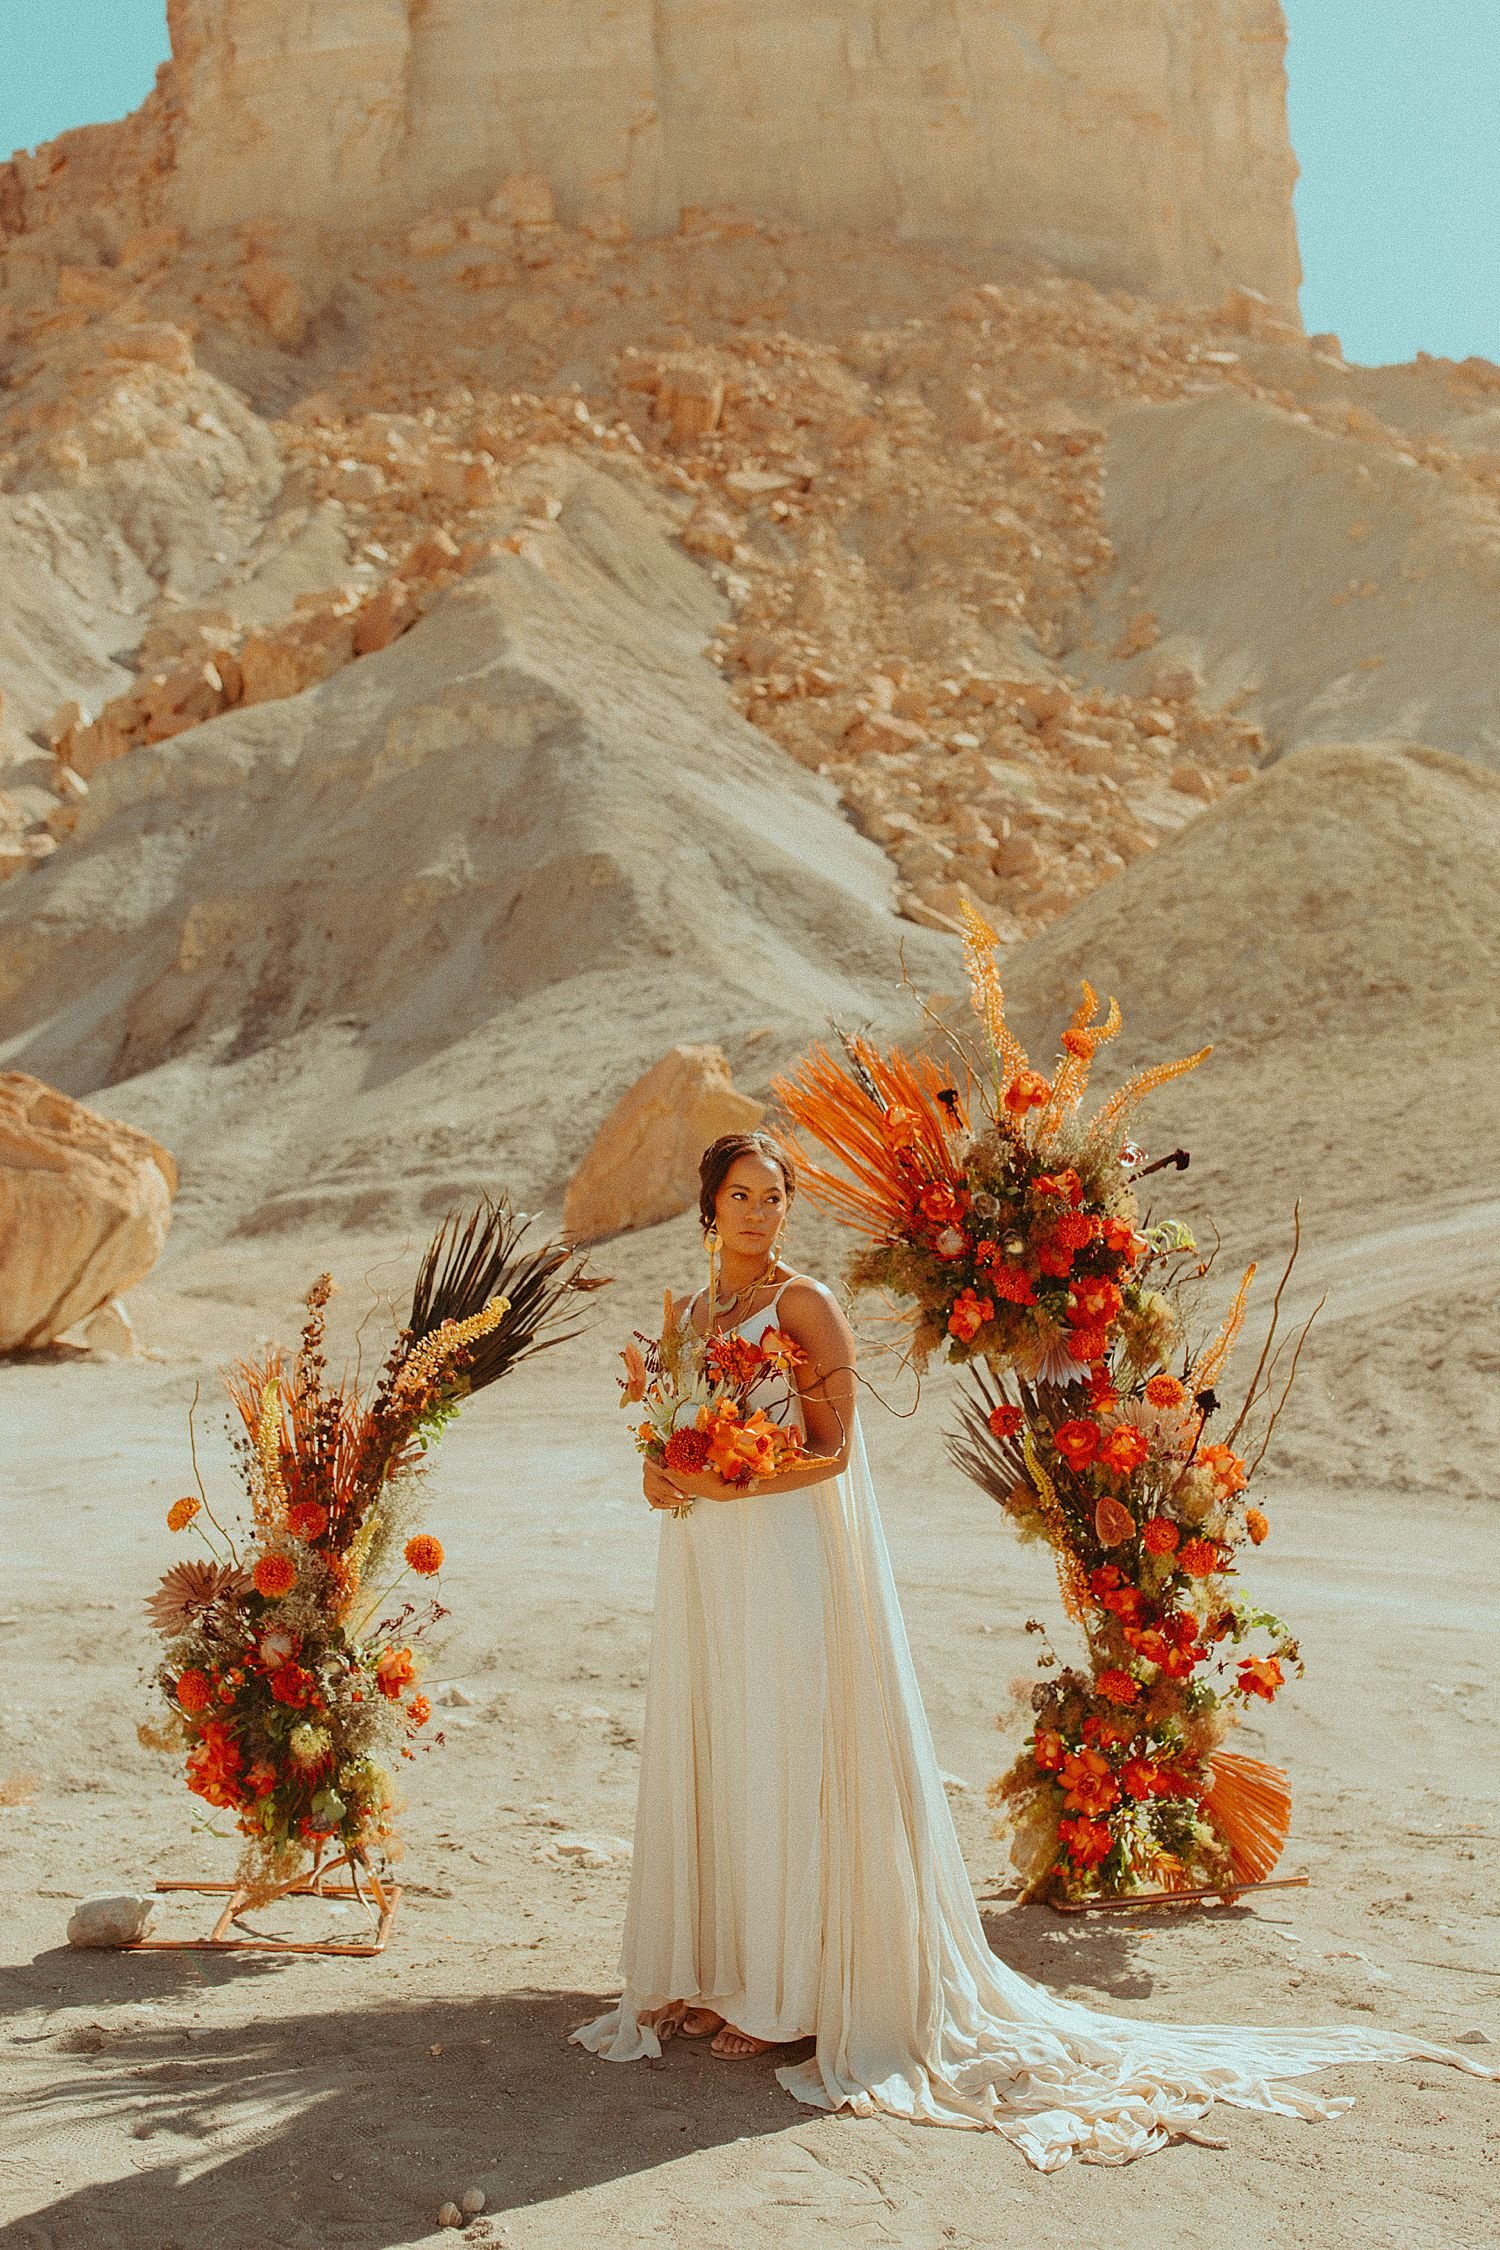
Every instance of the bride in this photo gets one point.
(796, 1873)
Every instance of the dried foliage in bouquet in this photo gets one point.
(697, 1395)
(1023, 1252)
(291, 1686)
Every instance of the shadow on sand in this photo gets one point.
(348, 2127)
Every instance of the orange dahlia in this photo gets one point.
(307, 1521)
(1159, 1536)
(1256, 1525)
(1005, 1420)
(1165, 1390)
(1088, 1345)
(181, 1513)
(1198, 1557)
(1119, 1686)
(1073, 1229)
(275, 1575)
(687, 1451)
(194, 1691)
(424, 1554)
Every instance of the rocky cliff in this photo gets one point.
(1136, 142)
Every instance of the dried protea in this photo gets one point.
(188, 1589)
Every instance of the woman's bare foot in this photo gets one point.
(734, 2045)
(698, 2023)
(665, 2022)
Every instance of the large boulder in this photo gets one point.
(85, 1204)
(643, 1164)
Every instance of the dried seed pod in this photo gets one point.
(449, 2215)
(473, 2201)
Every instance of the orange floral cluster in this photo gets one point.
(1115, 1791)
(699, 1398)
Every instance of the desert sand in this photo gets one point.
(453, 655)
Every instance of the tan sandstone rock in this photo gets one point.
(643, 1165)
(85, 1204)
(1080, 134)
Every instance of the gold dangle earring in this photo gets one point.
(711, 1245)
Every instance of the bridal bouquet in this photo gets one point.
(1019, 1245)
(696, 1394)
(292, 1660)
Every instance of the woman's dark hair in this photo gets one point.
(714, 1163)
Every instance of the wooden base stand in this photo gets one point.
(231, 1934)
(1227, 1894)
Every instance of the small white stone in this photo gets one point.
(473, 2201)
(573, 1850)
(114, 1918)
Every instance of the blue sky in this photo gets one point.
(1395, 118)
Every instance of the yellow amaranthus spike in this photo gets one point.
(988, 996)
(434, 1351)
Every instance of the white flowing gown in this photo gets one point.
(797, 1871)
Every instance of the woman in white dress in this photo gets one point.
(796, 1872)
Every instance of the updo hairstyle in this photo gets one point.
(714, 1164)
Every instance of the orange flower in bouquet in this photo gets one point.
(700, 1397)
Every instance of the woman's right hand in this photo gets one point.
(659, 1488)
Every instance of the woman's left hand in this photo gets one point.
(675, 1487)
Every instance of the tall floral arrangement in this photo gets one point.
(293, 1650)
(1009, 1222)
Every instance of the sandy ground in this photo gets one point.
(188, 2102)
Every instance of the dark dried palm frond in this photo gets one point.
(997, 1465)
(470, 1261)
(189, 1588)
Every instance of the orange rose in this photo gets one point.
(1124, 1449)
(1118, 1237)
(1141, 1777)
(1077, 1442)
(1065, 1184)
(213, 1766)
(424, 1554)
(181, 1513)
(1027, 1090)
(395, 1672)
(1089, 1782)
(1165, 1390)
(1093, 1302)
(1262, 1676)
(1086, 1842)
(194, 1691)
(275, 1575)
(1256, 1525)
(1228, 1469)
(1047, 1750)
(969, 1315)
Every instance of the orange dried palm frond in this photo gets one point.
(246, 1384)
(988, 997)
(1129, 1097)
(882, 1119)
(1250, 1804)
(1209, 1365)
